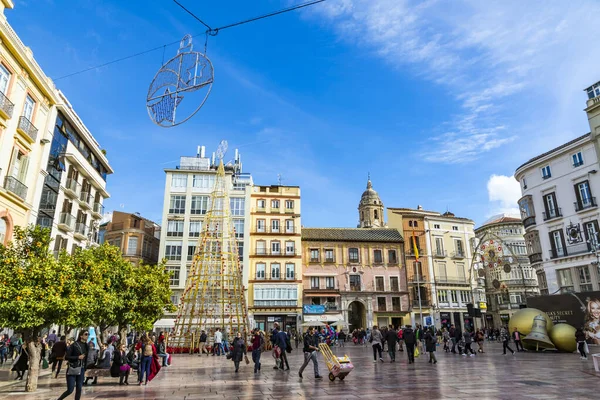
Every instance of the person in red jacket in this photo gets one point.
(400, 338)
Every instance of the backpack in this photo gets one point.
(203, 338)
(262, 346)
(147, 350)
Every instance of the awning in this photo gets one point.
(165, 323)
(323, 318)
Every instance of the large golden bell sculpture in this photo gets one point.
(538, 337)
(523, 320)
(563, 337)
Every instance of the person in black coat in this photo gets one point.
(22, 364)
(410, 339)
(391, 337)
(430, 345)
(120, 367)
(76, 356)
(239, 351)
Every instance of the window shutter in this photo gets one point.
(13, 160)
(23, 169)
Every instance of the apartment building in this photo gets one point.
(560, 212)
(506, 288)
(275, 282)
(188, 189)
(137, 237)
(42, 143)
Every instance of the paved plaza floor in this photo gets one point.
(485, 376)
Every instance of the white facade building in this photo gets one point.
(560, 211)
(188, 188)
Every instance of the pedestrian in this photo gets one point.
(480, 338)
(505, 337)
(342, 338)
(203, 338)
(120, 368)
(3, 348)
(281, 340)
(258, 344)
(218, 342)
(239, 351)
(580, 339)
(516, 336)
(58, 352)
(52, 338)
(296, 338)
(22, 364)
(410, 340)
(310, 349)
(456, 339)
(225, 342)
(376, 341)
(76, 358)
(147, 350)
(468, 341)
(391, 337)
(430, 345)
(446, 339)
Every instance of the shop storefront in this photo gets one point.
(445, 320)
(266, 323)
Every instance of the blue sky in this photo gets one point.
(439, 101)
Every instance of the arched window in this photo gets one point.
(362, 215)
(414, 224)
(3, 229)
(375, 214)
(410, 223)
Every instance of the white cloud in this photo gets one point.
(485, 53)
(503, 193)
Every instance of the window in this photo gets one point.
(442, 296)
(584, 196)
(175, 300)
(355, 284)
(275, 204)
(454, 227)
(18, 169)
(565, 280)
(314, 255)
(557, 241)
(415, 224)
(237, 205)
(275, 248)
(550, 206)
(238, 225)
(381, 304)
(174, 228)
(177, 205)
(465, 296)
(524, 183)
(439, 246)
(275, 226)
(375, 214)
(353, 255)
(276, 295)
(394, 287)
(4, 79)
(289, 226)
(261, 204)
(275, 271)
(410, 224)
(289, 204)
(290, 248)
(3, 226)
(526, 208)
(261, 247)
(591, 232)
(174, 270)
(585, 280)
(460, 268)
(240, 252)
(191, 251)
(329, 255)
(314, 282)
(516, 298)
(290, 271)
(28, 108)
(260, 270)
(417, 269)
(199, 205)
(132, 243)
(178, 180)
(436, 226)
(379, 286)
(453, 296)
(203, 181)
(546, 172)
(577, 159)
(173, 250)
(377, 256)
(260, 225)
(541, 275)
(442, 275)
(459, 248)
(330, 282)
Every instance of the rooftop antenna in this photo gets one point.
(279, 179)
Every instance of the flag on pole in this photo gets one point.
(415, 248)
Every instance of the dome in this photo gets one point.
(370, 196)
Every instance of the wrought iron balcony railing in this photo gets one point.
(27, 128)
(15, 186)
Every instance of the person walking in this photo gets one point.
(410, 340)
(147, 351)
(225, 342)
(480, 339)
(76, 357)
(400, 339)
(218, 343)
(310, 349)
(281, 340)
(430, 345)
(239, 351)
(580, 339)
(258, 343)
(59, 350)
(456, 339)
(203, 339)
(516, 336)
(391, 337)
(468, 341)
(52, 338)
(446, 339)
(376, 341)
(505, 337)
(22, 364)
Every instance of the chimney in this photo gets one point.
(235, 158)
(419, 207)
(202, 151)
(213, 158)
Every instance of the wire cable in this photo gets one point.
(193, 15)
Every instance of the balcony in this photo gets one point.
(289, 230)
(274, 253)
(585, 204)
(411, 252)
(98, 210)
(535, 258)
(458, 254)
(529, 221)
(551, 214)
(275, 303)
(451, 280)
(417, 278)
(440, 253)
(356, 288)
(322, 287)
(81, 231)
(276, 277)
(329, 260)
(72, 188)
(84, 200)
(27, 129)
(314, 260)
(6, 107)
(507, 306)
(66, 222)
(581, 248)
(15, 186)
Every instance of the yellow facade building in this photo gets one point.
(275, 270)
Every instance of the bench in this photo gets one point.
(595, 358)
(95, 373)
